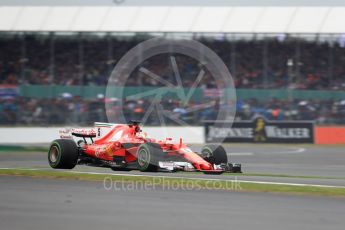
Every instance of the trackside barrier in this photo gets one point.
(53, 91)
(330, 135)
(34, 135)
(260, 130)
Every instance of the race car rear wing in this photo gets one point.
(67, 133)
(99, 130)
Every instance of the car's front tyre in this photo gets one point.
(214, 154)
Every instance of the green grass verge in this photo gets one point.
(179, 183)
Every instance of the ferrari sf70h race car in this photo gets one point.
(125, 147)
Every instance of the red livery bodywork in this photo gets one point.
(126, 147)
(123, 141)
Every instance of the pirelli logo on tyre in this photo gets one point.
(260, 130)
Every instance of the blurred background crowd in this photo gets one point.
(277, 62)
(71, 111)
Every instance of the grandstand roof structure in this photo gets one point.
(106, 16)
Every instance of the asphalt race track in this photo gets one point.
(27, 203)
(298, 160)
(33, 203)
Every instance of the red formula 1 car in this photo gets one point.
(126, 147)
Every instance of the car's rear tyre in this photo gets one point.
(63, 154)
(214, 154)
(148, 155)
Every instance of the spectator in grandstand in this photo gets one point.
(312, 69)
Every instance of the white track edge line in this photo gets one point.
(187, 178)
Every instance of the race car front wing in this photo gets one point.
(188, 167)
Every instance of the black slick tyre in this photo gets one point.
(63, 154)
(214, 154)
(148, 155)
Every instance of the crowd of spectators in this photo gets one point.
(76, 111)
(88, 60)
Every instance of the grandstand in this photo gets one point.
(56, 58)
